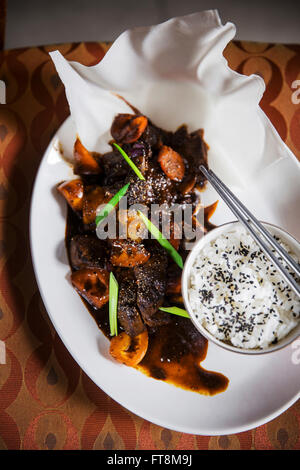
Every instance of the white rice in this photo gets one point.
(238, 295)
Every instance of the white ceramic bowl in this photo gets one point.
(210, 236)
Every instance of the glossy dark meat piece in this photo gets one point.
(87, 251)
(185, 339)
(156, 189)
(115, 167)
(151, 282)
(128, 314)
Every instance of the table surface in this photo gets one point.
(46, 401)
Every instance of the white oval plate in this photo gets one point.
(260, 388)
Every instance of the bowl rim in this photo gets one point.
(287, 340)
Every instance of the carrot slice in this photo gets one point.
(128, 254)
(127, 350)
(128, 128)
(84, 162)
(92, 285)
(72, 191)
(171, 163)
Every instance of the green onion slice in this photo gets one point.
(113, 304)
(129, 161)
(111, 204)
(176, 311)
(162, 240)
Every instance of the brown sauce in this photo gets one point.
(175, 357)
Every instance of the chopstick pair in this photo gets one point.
(247, 218)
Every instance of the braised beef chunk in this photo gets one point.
(115, 167)
(151, 282)
(128, 314)
(139, 149)
(156, 189)
(87, 251)
(127, 253)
